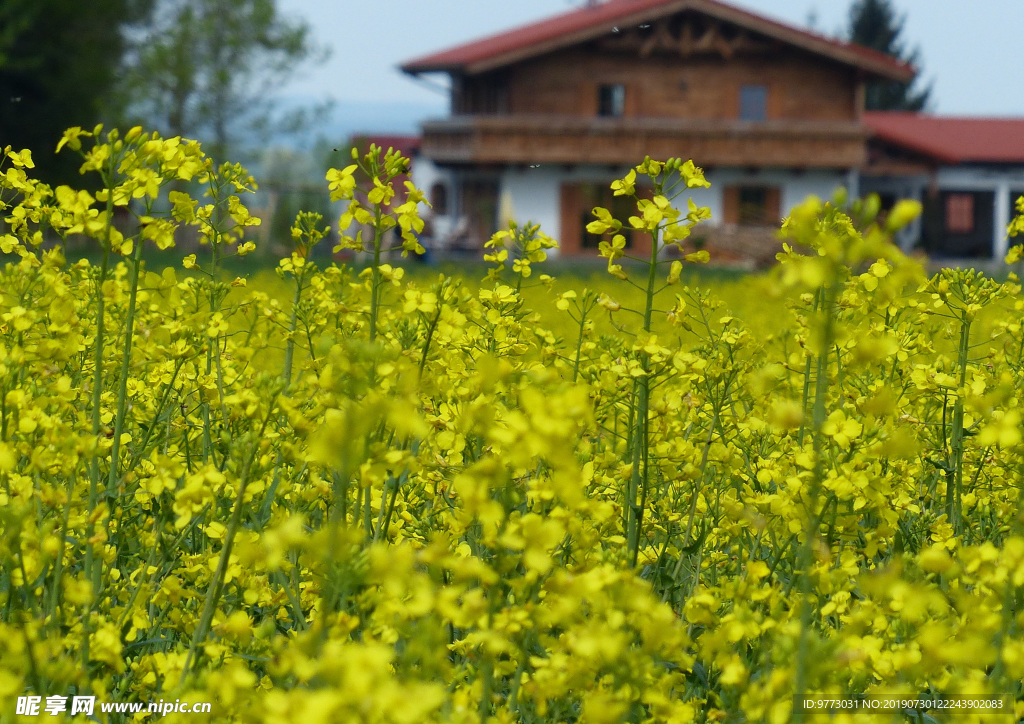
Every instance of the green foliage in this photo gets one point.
(58, 64)
(205, 68)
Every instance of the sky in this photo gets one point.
(973, 57)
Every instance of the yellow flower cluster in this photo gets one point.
(378, 499)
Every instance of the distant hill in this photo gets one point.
(348, 118)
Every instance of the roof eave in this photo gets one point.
(428, 65)
(919, 148)
(881, 66)
(416, 69)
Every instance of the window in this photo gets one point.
(960, 213)
(439, 199)
(611, 100)
(959, 223)
(753, 206)
(754, 102)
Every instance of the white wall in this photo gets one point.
(535, 191)
(425, 173)
(795, 186)
(535, 195)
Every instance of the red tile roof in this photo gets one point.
(594, 21)
(951, 139)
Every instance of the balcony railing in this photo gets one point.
(529, 139)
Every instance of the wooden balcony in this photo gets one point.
(530, 139)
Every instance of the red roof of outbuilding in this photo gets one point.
(593, 21)
(952, 139)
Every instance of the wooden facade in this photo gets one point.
(665, 84)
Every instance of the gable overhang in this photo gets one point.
(592, 22)
(927, 152)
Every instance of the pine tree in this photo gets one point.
(875, 24)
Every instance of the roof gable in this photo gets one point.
(591, 22)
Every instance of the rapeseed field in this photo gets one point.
(356, 495)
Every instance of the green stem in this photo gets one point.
(214, 237)
(144, 575)
(487, 667)
(368, 512)
(58, 566)
(289, 355)
(91, 570)
(382, 532)
(813, 514)
(641, 439)
(955, 491)
(126, 358)
(289, 350)
(97, 394)
(141, 449)
(807, 385)
(217, 583)
(579, 340)
(375, 278)
(517, 678)
(430, 336)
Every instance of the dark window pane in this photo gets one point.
(439, 199)
(754, 102)
(611, 100)
(753, 206)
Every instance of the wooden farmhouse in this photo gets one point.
(545, 116)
